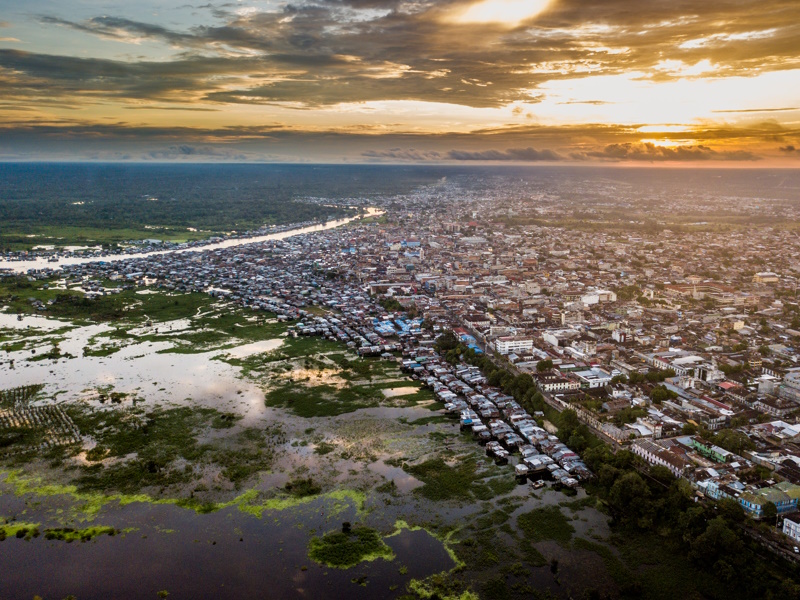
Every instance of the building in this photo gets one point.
(777, 407)
(551, 382)
(790, 387)
(754, 502)
(593, 378)
(791, 529)
(657, 455)
(766, 277)
(711, 451)
(508, 344)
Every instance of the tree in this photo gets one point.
(770, 511)
(635, 378)
(446, 341)
(629, 495)
(569, 420)
(544, 365)
(689, 429)
(734, 441)
(739, 421)
(661, 393)
(716, 541)
(731, 510)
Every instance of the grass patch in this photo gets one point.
(546, 523)
(321, 400)
(159, 447)
(67, 534)
(324, 448)
(576, 505)
(496, 486)
(300, 488)
(429, 420)
(619, 573)
(345, 549)
(445, 482)
(18, 294)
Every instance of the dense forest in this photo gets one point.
(49, 199)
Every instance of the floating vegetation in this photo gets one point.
(459, 481)
(67, 534)
(346, 548)
(546, 523)
(25, 531)
(300, 488)
(442, 587)
(252, 502)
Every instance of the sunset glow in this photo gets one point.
(350, 80)
(507, 12)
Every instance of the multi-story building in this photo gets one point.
(658, 455)
(791, 529)
(508, 344)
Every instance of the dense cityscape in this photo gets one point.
(688, 362)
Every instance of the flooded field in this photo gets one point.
(218, 450)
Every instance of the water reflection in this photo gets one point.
(227, 554)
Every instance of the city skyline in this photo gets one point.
(507, 81)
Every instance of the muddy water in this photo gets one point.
(227, 554)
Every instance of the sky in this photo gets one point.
(634, 82)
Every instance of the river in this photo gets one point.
(23, 266)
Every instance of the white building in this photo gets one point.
(791, 529)
(598, 296)
(594, 377)
(506, 345)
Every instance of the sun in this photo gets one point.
(504, 12)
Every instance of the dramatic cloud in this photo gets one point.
(651, 153)
(320, 53)
(579, 72)
(191, 152)
(402, 155)
(516, 154)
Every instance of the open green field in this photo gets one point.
(72, 235)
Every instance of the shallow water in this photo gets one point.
(254, 348)
(136, 369)
(226, 554)
(31, 322)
